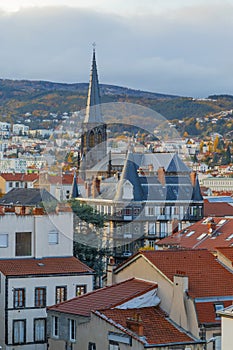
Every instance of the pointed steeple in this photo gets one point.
(74, 191)
(93, 109)
(129, 173)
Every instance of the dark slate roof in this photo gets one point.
(27, 196)
(177, 186)
(74, 192)
(197, 196)
(130, 174)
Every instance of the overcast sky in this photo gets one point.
(170, 46)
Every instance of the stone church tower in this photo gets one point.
(94, 130)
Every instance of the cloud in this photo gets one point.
(186, 51)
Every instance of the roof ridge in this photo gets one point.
(101, 290)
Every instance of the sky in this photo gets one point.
(181, 47)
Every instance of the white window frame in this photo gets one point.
(72, 330)
(39, 330)
(55, 326)
(19, 331)
(53, 237)
(4, 240)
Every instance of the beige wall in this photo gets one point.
(96, 331)
(180, 308)
(224, 260)
(57, 344)
(141, 268)
(183, 310)
(227, 326)
(2, 186)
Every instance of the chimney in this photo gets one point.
(88, 189)
(95, 189)
(178, 311)
(150, 168)
(161, 175)
(211, 227)
(193, 176)
(135, 324)
(110, 268)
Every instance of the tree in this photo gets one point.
(89, 231)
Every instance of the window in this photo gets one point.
(61, 294)
(162, 210)
(10, 184)
(119, 212)
(23, 242)
(113, 345)
(72, 330)
(128, 211)
(39, 330)
(136, 211)
(91, 139)
(17, 184)
(216, 341)
(91, 346)
(151, 211)
(19, 331)
(55, 326)
(218, 307)
(163, 229)
(151, 228)
(40, 297)
(3, 240)
(53, 237)
(81, 289)
(19, 298)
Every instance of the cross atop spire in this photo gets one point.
(93, 109)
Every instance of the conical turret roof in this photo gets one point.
(93, 109)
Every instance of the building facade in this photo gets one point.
(37, 267)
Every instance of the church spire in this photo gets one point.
(74, 191)
(93, 109)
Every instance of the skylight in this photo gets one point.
(201, 236)
(229, 237)
(190, 233)
(221, 222)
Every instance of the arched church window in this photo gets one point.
(92, 139)
(99, 137)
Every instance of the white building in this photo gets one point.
(20, 129)
(219, 183)
(5, 130)
(37, 267)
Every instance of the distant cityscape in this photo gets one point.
(114, 236)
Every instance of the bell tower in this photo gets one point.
(94, 130)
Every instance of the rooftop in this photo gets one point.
(27, 196)
(105, 298)
(207, 233)
(157, 328)
(207, 277)
(45, 266)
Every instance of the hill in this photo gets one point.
(40, 98)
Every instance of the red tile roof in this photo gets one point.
(206, 312)
(207, 277)
(217, 209)
(191, 236)
(156, 327)
(105, 297)
(19, 177)
(227, 252)
(46, 266)
(65, 179)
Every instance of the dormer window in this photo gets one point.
(127, 190)
(218, 307)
